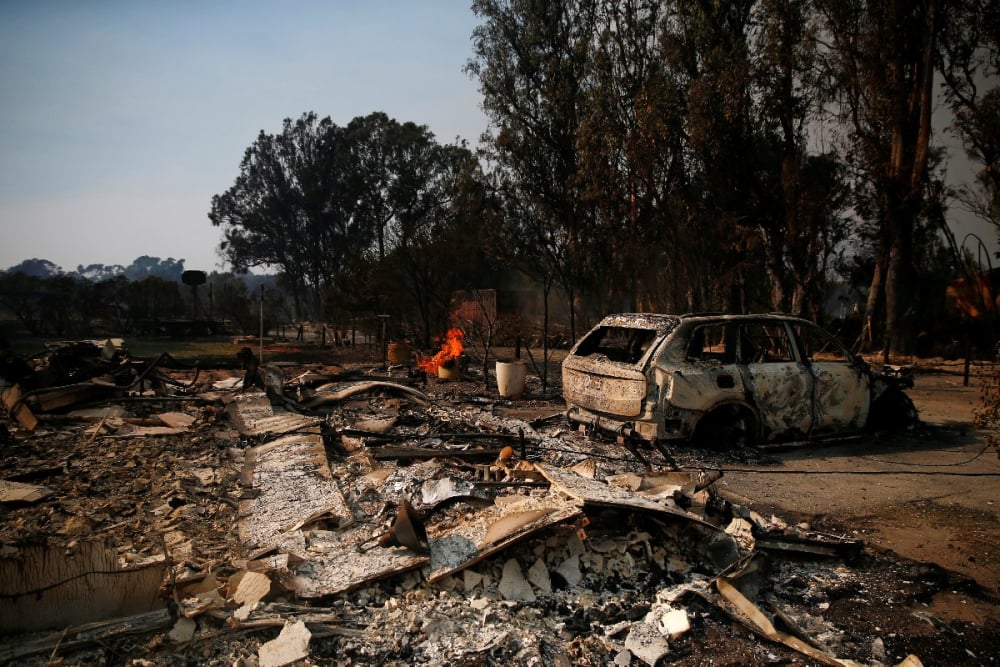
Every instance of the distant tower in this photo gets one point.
(194, 278)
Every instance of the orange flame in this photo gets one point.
(451, 348)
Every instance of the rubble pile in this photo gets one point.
(358, 520)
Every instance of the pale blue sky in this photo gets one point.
(120, 119)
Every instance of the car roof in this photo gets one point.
(664, 322)
(657, 321)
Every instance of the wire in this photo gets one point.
(851, 472)
(931, 465)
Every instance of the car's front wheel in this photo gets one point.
(892, 411)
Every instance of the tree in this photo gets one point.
(231, 301)
(803, 222)
(111, 304)
(37, 268)
(433, 238)
(970, 67)
(145, 266)
(376, 144)
(531, 59)
(153, 299)
(655, 152)
(881, 56)
(20, 293)
(629, 154)
(293, 206)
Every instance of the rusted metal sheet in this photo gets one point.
(424, 453)
(329, 394)
(712, 543)
(104, 633)
(57, 398)
(343, 560)
(46, 588)
(595, 492)
(294, 486)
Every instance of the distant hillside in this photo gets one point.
(143, 267)
(169, 269)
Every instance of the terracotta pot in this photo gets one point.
(451, 371)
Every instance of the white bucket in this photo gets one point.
(511, 376)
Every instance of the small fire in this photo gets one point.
(451, 349)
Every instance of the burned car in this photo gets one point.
(725, 380)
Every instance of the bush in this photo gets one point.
(988, 417)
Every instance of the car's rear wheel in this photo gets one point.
(726, 427)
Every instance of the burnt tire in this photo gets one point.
(725, 428)
(892, 411)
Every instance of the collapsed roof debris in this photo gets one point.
(74, 373)
(379, 524)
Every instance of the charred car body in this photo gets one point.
(725, 380)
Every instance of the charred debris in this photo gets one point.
(154, 512)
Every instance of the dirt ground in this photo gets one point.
(927, 496)
(921, 502)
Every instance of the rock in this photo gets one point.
(672, 622)
(538, 575)
(646, 643)
(470, 580)
(513, 585)
(183, 630)
(290, 645)
(878, 650)
(570, 570)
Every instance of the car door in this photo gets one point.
(780, 385)
(842, 391)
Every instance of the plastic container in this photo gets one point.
(511, 377)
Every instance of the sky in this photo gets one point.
(119, 120)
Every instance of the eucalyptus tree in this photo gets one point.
(707, 51)
(801, 198)
(658, 148)
(880, 57)
(373, 145)
(531, 59)
(970, 67)
(630, 142)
